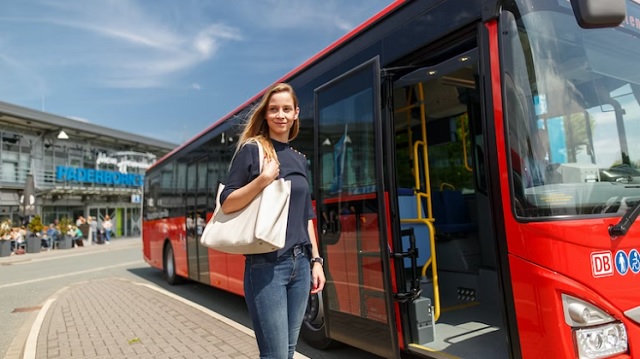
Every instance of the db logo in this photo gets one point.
(601, 264)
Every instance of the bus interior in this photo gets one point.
(442, 198)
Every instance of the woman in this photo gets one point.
(76, 235)
(93, 227)
(276, 284)
(107, 226)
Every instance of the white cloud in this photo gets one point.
(124, 46)
(81, 57)
(208, 41)
(128, 44)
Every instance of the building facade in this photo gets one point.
(75, 169)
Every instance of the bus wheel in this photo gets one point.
(170, 266)
(313, 329)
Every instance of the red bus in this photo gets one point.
(475, 170)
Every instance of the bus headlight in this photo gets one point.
(601, 342)
(596, 334)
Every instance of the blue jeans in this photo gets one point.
(276, 294)
(107, 234)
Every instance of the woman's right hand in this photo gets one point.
(270, 170)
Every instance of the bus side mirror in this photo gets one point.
(593, 14)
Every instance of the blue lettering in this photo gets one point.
(71, 174)
(61, 173)
(89, 175)
(99, 176)
(82, 175)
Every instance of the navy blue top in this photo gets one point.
(293, 167)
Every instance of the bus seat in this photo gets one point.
(408, 210)
(407, 203)
(450, 212)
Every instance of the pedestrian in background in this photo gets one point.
(17, 240)
(93, 228)
(76, 236)
(276, 284)
(107, 226)
(52, 235)
(85, 229)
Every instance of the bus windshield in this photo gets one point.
(572, 111)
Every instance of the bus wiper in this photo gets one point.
(625, 223)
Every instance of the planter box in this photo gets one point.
(34, 244)
(5, 248)
(66, 242)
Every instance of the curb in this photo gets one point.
(32, 339)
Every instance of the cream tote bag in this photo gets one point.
(260, 227)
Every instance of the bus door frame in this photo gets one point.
(388, 345)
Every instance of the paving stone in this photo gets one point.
(115, 318)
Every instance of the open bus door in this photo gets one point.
(356, 307)
(443, 207)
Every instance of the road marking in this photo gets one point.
(53, 257)
(32, 341)
(70, 274)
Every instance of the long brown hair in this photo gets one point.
(257, 128)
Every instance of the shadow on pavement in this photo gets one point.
(233, 307)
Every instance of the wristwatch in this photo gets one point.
(318, 260)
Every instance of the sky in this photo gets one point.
(165, 69)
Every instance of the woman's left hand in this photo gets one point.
(317, 278)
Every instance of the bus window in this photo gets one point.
(573, 129)
(346, 148)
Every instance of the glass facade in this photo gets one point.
(74, 177)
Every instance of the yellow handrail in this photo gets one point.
(426, 219)
(464, 144)
(416, 176)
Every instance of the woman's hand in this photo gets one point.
(317, 278)
(270, 170)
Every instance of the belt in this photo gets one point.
(297, 249)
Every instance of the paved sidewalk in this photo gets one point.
(118, 318)
(121, 318)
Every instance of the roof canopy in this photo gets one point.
(43, 123)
